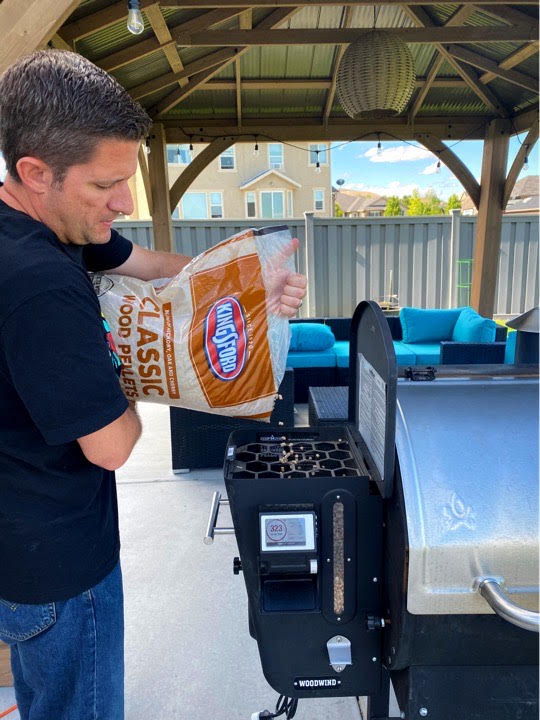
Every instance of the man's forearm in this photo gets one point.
(170, 264)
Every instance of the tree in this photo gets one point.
(338, 212)
(416, 206)
(392, 206)
(432, 204)
(453, 203)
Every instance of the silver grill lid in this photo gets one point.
(468, 455)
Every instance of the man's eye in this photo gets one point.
(104, 187)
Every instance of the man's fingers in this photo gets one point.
(287, 311)
(297, 280)
(295, 292)
(290, 301)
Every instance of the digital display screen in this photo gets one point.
(287, 532)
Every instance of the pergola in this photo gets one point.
(224, 71)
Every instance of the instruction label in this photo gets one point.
(372, 410)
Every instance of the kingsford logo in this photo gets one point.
(225, 339)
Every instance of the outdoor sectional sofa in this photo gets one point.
(421, 337)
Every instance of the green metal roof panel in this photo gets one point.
(202, 104)
(143, 69)
(282, 102)
(452, 101)
(88, 7)
(387, 16)
(110, 39)
(228, 73)
(511, 95)
(422, 57)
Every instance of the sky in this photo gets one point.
(401, 167)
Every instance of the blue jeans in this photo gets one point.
(67, 657)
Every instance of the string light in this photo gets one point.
(438, 168)
(317, 164)
(379, 146)
(256, 148)
(191, 143)
(526, 160)
(147, 146)
(135, 22)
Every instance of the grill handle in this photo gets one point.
(211, 528)
(490, 589)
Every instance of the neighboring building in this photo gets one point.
(278, 181)
(524, 198)
(361, 204)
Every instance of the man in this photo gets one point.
(70, 136)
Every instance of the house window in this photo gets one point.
(251, 207)
(227, 159)
(178, 154)
(375, 213)
(275, 155)
(289, 204)
(194, 206)
(318, 150)
(318, 197)
(272, 204)
(216, 205)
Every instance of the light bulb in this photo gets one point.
(525, 165)
(438, 168)
(318, 167)
(256, 150)
(147, 147)
(135, 22)
(379, 146)
(190, 145)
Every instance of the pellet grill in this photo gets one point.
(400, 546)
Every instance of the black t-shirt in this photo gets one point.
(58, 382)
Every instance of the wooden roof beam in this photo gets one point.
(525, 149)
(484, 63)
(273, 20)
(29, 25)
(335, 36)
(508, 14)
(146, 47)
(464, 12)
(164, 37)
(309, 84)
(510, 61)
(329, 3)
(487, 96)
(454, 164)
(245, 22)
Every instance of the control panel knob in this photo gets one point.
(237, 565)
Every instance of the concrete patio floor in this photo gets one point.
(189, 655)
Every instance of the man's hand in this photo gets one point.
(287, 289)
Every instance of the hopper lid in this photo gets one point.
(528, 322)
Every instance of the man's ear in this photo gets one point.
(35, 174)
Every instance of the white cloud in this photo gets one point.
(401, 153)
(430, 169)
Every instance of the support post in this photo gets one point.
(159, 180)
(310, 264)
(455, 234)
(489, 221)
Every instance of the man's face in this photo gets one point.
(82, 209)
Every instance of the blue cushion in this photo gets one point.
(341, 349)
(426, 353)
(419, 325)
(510, 349)
(310, 336)
(404, 355)
(320, 358)
(472, 327)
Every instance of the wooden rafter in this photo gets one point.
(512, 76)
(488, 97)
(146, 47)
(457, 18)
(163, 81)
(143, 165)
(525, 149)
(245, 21)
(507, 14)
(335, 36)
(100, 20)
(29, 25)
(163, 35)
(510, 61)
(338, 54)
(454, 164)
(274, 19)
(196, 166)
(310, 83)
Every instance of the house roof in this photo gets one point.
(526, 187)
(523, 198)
(265, 173)
(526, 204)
(208, 68)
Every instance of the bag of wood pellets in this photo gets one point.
(209, 339)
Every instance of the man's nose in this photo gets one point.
(121, 200)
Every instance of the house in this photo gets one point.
(259, 180)
(524, 198)
(361, 204)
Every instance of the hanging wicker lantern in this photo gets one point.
(376, 76)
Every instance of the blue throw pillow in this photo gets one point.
(422, 326)
(473, 328)
(310, 337)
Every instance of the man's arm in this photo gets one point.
(150, 264)
(110, 446)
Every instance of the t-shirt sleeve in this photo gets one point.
(58, 359)
(109, 255)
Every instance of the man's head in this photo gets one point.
(69, 134)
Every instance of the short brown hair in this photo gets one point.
(57, 105)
